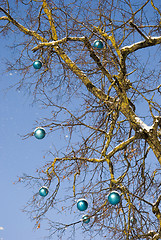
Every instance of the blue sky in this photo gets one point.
(18, 116)
(18, 156)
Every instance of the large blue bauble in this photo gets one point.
(82, 204)
(43, 191)
(98, 44)
(86, 219)
(114, 197)
(39, 133)
(37, 64)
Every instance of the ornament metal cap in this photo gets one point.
(82, 199)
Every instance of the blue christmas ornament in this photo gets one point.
(39, 133)
(43, 191)
(37, 64)
(133, 220)
(114, 197)
(86, 219)
(98, 44)
(82, 204)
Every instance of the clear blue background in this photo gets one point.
(17, 156)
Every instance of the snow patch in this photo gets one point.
(143, 125)
(130, 46)
(140, 42)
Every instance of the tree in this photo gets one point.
(94, 96)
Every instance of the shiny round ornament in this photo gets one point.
(86, 219)
(133, 220)
(82, 204)
(39, 133)
(37, 64)
(43, 191)
(114, 197)
(98, 44)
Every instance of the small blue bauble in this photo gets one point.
(82, 204)
(133, 220)
(86, 219)
(114, 197)
(98, 44)
(37, 64)
(39, 133)
(43, 191)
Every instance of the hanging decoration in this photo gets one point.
(86, 219)
(39, 133)
(37, 64)
(82, 204)
(133, 220)
(43, 191)
(114, 197)
(98, 44)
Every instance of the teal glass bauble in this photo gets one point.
(86, 219)
(98, 44)
(114, 197)
(133, 220)
(43, 191)
(39, 133)
(82, 204)
(37, 64)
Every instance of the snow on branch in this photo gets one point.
(152, 41)
(143, 126)
(55, 43)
